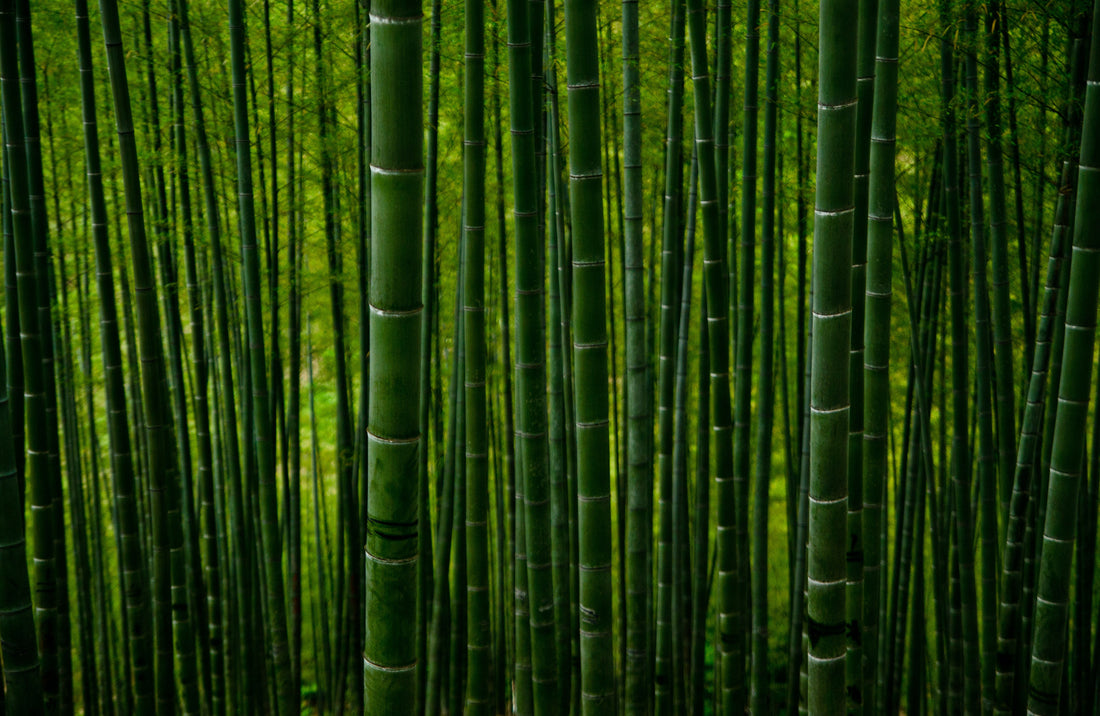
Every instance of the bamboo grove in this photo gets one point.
(549, 358)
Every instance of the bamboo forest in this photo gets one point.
(549, 357)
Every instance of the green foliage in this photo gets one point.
(158, 452)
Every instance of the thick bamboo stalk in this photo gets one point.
(829, 383)
(391, 551)
(590, 360)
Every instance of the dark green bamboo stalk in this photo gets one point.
(734, 665)
(876, 333)
(389, 657)
(760, 683)
(182, 528)
(673, 499)
(1028, 295)
(37, 479)
(865, 66)
(1077, 689)
(211, 578)
(671, 259)
(228, 424)
(801, 169)
(44, 299)
(716, 278)
(362, 251)
(294, 361)
(1013, 622)
(89, 663)
(508, 427)
(832, 319)
(1008, 619)
(278, 401)
(668, 674)
(531, 439)
(1034, 535)
(349, 636)
(614, 221)
(559, 491)
(979, 672)
(796, 648)
(498, 537)
(639, 475)
(439, 638)
(589, 359)
(457, 660)
(12, 338)
(565, 537)
(723, 130)
(700, 588)
(1005, 383)
(565, 285)
(478, 626)
(916, 466)
(22, 678)
(112, 668)
(1052, 604)
(915, 697)
(324, 653)
(427, 292)
(650, 335)
(163, 470)
(960, 453)
(261, 415)
(1088, 666)
(132, 568)
(524, 698)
